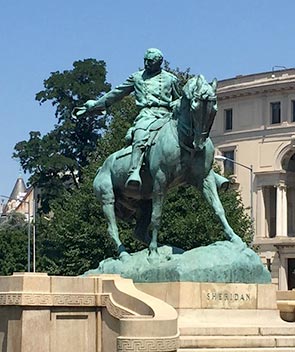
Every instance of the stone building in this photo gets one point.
(255, 127)
(21, 200)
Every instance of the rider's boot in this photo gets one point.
(134, 179)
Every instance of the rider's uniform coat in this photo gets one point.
(154, 95)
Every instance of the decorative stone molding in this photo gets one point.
(10, 299)
(40, 299)
(115, 310)
(68, 299)
(147, 344)
(74, 300)
(36, 299)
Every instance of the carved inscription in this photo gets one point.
(225, 296)
(233, 297)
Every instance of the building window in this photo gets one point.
(270, 204)
(228, 117)
(228, 165)
(293, 111)
(275, 112)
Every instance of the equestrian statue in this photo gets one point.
(168, 145)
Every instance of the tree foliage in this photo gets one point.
(189, 222)
(56, 160)
(71, 88)
(13, 244)
(75, 239)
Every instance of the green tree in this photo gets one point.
(71, 88)
(189, 222)
(13, 244)
(75, 238)
(56, 160)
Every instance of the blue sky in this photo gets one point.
(218, 38)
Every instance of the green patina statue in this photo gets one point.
(169, 145)
(155, 90)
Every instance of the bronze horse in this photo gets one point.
(181, 153)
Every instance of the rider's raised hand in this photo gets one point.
(78, 111)
(81, 110)
(88, 108)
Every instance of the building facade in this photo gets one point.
(255, 127)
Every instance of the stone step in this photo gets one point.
(237, 341)
(250, 349)
(237, 330)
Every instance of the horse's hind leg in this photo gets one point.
(103, 189)
(109, 212)
(143, 220)
(211, 194)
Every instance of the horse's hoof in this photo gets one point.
(124, 257)
(153, 258)
(236, 240)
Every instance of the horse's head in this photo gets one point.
(200, 103)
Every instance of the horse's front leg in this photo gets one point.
(211, 194)
(103, 189)
(143, 220)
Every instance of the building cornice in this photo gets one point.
(278, 241)
(256, 84)
(282, 133)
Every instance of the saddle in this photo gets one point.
(153, 132)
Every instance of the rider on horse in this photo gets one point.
(155, 92)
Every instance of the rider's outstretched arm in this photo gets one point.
(112, 96)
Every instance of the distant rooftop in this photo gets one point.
(19, 189)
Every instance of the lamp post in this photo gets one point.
(34, 232)
(249, 168)
(29, 228)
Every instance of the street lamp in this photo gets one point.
(29, 229)
(249, 168)
(34, 228)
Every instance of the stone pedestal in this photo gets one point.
(106, 313)
(217, 317)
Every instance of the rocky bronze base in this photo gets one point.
(222, 261)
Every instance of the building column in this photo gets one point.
(260, 214)
(281, 211)
(283, 277)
